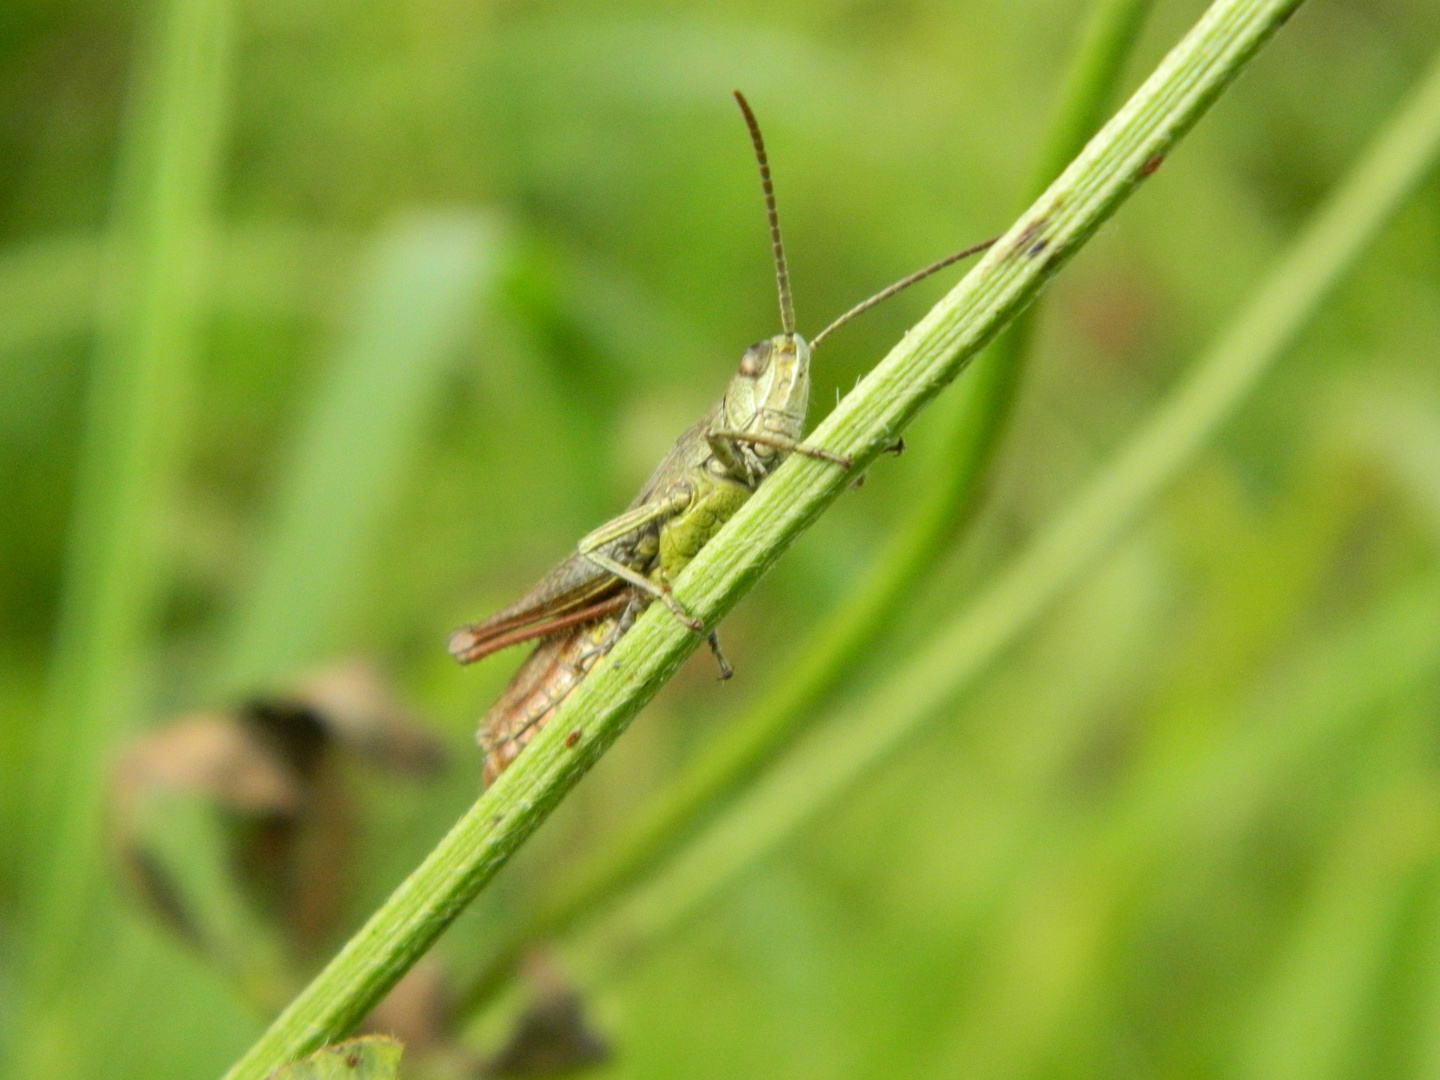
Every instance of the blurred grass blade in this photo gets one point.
(1310, 1023)
(366, 422)
(1107, 38)
(1199, 800)
(1195, 809)
(186, 847)
(152, 303)
(47, 291)
(973, 426)
(1426, 1009)
(1402, 431)
(863, 425)
(857, 742)
(47, 287)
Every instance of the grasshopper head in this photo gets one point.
(771, 391)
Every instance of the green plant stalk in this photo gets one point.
(1106, 41)
(973, 427)
(862, 426)
(844, 751)
(151, 306)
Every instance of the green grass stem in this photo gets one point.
(973, 426)
(1392, 650)
(152, 296)
(862, 426)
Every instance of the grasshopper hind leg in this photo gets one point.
(545, 680)
(660, 592)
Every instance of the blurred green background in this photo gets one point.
(341, 335)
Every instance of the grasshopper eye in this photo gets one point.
(755, 360)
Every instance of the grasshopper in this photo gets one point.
(583, 606)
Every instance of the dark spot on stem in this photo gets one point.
(1152, 164)
(1037, 248)
(572, 738)
(1029, 235)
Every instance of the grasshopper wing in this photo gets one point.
(575, 592)
(578, 591)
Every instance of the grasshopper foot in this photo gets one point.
(725, 669)
(679, 612)
(897, 447)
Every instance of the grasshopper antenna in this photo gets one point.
(782, 274)
(899, 286)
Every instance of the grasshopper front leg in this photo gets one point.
(719, 441)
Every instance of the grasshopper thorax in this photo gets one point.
(770, 393)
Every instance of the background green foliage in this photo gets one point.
(450, 281)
